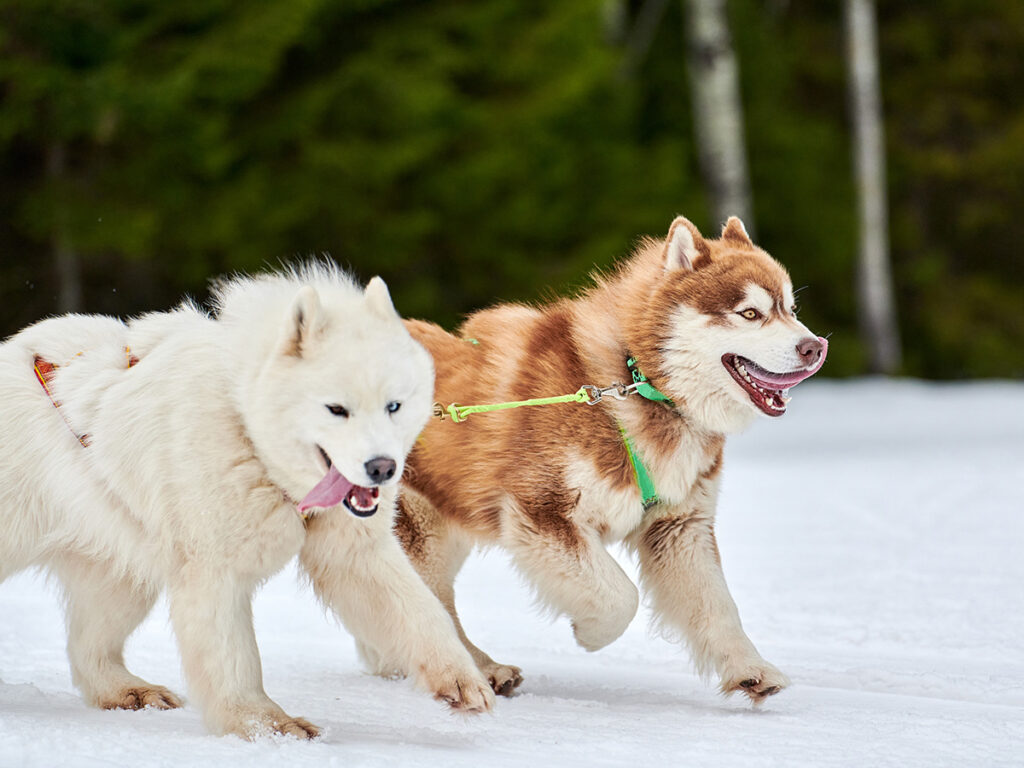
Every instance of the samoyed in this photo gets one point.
(201, 453)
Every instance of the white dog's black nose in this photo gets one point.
(380, 469)
(809, 350)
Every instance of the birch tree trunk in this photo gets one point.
(65, 259)
(718, 110)
(875, 295)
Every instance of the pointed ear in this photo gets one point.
(302, 322)
(378, 299)
(684, 246)
(736, 233)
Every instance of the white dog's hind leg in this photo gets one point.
(682, 571)
(102, 610)
(438, 553)
(359, 570)
(211, 611)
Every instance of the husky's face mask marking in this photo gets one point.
(734, 346)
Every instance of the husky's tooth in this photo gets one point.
(784, 398)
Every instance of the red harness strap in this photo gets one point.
(45, 371)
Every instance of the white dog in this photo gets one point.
(201, 454)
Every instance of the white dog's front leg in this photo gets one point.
(359, 570)
(681, 569)
(212, 617)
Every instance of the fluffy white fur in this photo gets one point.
(196, 457)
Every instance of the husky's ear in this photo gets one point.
(736, 233)
(302, 322)
(378, 299)
(684, 246)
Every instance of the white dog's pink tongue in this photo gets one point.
(329, 492)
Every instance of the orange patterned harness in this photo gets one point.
(45, 371)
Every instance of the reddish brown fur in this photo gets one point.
(522, 352)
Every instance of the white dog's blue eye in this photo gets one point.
(393, 406)
(338, 410)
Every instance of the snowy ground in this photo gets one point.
(872, 538)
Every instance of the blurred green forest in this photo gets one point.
(500, 149)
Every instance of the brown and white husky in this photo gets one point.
(711, 326)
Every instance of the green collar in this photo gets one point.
(644, 388)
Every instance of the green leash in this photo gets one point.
(590, 395)
(460, 413)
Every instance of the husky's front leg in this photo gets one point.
(212, 616)
(682, 572)
(359, 570)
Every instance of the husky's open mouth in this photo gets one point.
(768, 390)
(335, 489)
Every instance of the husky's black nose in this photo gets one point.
(380, 469)
(809, 350)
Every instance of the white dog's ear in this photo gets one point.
(736, 233)
(684, 246)
(378, 299)
(302, 322)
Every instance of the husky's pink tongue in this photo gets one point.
(786, 380)
(329, 492)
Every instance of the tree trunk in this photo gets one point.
(875, 295)
(65, 260)
(717, 110)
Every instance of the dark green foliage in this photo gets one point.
(471, 152)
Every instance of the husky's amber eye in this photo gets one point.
(338, 410)
(750, 314)
(393, 406)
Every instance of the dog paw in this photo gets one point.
(469, 694)
(141, 697)
(595, 634)
(504, 679)
(259, 725)
(298, 727)
(757, 681)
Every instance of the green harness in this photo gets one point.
(590, 395)
(648, 493)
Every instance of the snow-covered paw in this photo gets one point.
(470, 694)
(140, 697)
(757, 681)
(278, 723)
(504, 678)
(298, 727)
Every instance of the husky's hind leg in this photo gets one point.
(572, 573)
(438, 554)
(102, 610)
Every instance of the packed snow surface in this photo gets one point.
(872, 538)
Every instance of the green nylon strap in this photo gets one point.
(462, 412)
(648, 493)
(643, 387)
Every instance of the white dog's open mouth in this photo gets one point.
(335, 489)
(768, 390)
